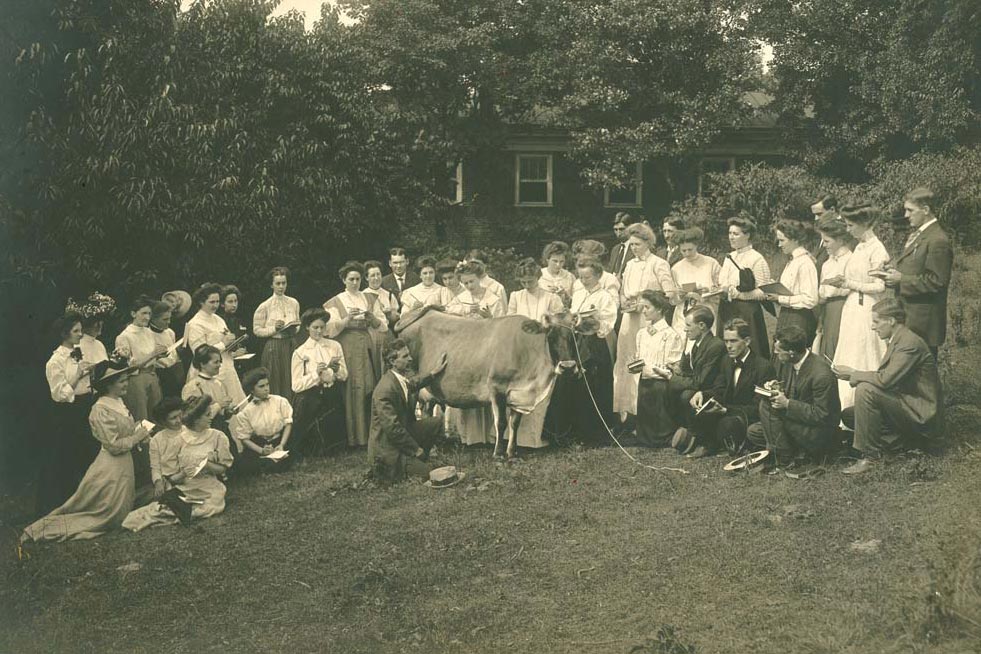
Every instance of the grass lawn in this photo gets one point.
(566, 551)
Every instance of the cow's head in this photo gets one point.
(561, 339)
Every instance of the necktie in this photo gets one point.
(911, 238)
(791, 381)
(398, 280)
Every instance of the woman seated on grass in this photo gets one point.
(204, 457)
(263, 426)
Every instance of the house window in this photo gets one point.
(713, 165)
(533, 180)
(629, 195)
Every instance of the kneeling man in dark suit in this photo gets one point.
(722, 415)
(900, 405)
(398, 444)
(802, 419)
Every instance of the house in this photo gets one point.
(531, 188)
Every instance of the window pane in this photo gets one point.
(533, 192)
(623, 195)
(534, 168)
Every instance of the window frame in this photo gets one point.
(549, 179)
(702, 172)
(638, 202)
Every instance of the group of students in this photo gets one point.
(676, 343)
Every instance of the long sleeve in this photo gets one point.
(108, 431)
(62, 376)
(803, 280)
(513, 304)
(225, 457)
(303, 372)
(259, 320)
(341, 373)
(155, 474)
(816, 411)
(198, 335)
(903, 359)
(935, 275)
(392, 427)
(497, 306)
(662, 273)
(241, 425)
(833, 267)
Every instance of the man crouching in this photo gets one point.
(398, 444)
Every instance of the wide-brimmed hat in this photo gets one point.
(746, 461)
(98, 306)
(445, 477)
(181, 301)
(106, 371)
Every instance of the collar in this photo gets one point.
(659, 326)
(799, 252)
(64, 350)
(842, 251)
(741, 360)
(800, 363)
(922, 228)
(867, 236)
(257, 400)
(204, 376)
(402, 378)
(114, 403)
(743, 249)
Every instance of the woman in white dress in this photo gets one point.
(863, 349)
(427, 292)
(533, 302)
(354, 318)
(139, 345)
(473, 426)
(835, 240)
(204, 456)
(645, 271)
(694, 275)
(555, 278)
(208, 328)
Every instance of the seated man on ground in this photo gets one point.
(721, 416)
(398, 443)
(802, 418)
(900, 405)
(697, 371)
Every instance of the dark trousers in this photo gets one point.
(882, 424)
(427, 432)
(715, 432)
(775, 433)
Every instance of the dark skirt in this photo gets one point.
(592, 391)
(172, 379)
(69, 450)
(803, 318)
(655, 425)
(318, 421)
(831, 326)
(752, 313)
(276, 355)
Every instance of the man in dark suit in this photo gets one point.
(723, 414)
(620, 254)
(401, 277)
(801, 420)
(823, 209)
(670, 228)
(398, 443)
(900, 405)
(697, 371)
(921, 274)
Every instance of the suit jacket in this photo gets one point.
(390, 440)
(619, 256)
(672, 258)
(815, 409)
(739, 398)
(908, 372)
(701, 366)
(392, 286)
(925, 266)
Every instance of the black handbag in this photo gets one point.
(747, 282)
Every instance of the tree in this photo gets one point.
(883, 79)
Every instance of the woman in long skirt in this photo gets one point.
(835, 240)
(533, 302)
(107, 492)
(138, 344)
(740, 300)
(645, 271)
(658, 347)
(477, 302)
(800, 277)
(389, 306)
(863, 349)
(208, 328)
(318, 372)
(170, 370)
(694, 275)
(353, 318)
(277, 320)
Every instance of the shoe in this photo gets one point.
(857, 468)
(692, 444)
(680, 438)
(698, 453)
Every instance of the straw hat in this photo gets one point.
(445, 477)
(180, 300)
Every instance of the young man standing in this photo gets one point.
(401, 277)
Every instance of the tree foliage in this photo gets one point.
(884, 79)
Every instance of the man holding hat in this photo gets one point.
(398, 443)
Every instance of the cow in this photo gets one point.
(511, 358)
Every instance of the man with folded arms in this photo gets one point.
(900, 405)
(801, 419)
(723, 414)
(697, 371)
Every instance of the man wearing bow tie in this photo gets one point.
(401, 277)
(723, 414)
(921, 274)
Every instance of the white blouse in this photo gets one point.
(608, 282)
(206, 329)
(703, 272)
(746, 257)
(308, 356)
(563, 281)
(423, 296)
(166, 338)
(834, 267)
(385, 299)
(495, 287)
(658, 345)
(801, 279)
(600, 301)
(523, 303)
(276, 307)
(351, 302)
(265, 418)
(63, 375)
(93, 351)
(467, 306)
(869, 255)
(139, 342)
(651, 272)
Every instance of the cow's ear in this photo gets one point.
(532, 327)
